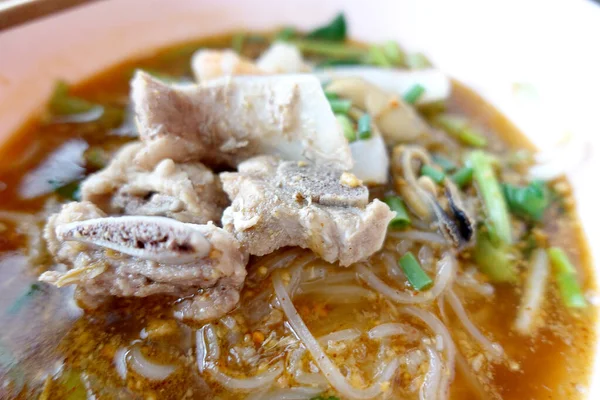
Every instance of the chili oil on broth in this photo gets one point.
(48, 334)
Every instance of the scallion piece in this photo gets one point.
(69, 190)
(393, 52)
(334, 30)
(462, 177)
(401, 220)
(414, 273)
(334, 50)
(417, 61)
(376, 56)
(493, 199)
(364, 127)
(530, 201)
(340, 106)
(286, 33)
(436, 175)
(494, 259)
(566, 278)
(414, 93)
(331, 96)
(459, 128)
(347, 127)
(62, 103)
(446, 164)
(237, 42)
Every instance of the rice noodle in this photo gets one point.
(211, 352)
(147, 368)
(419, 236)
(446, 270)
(338, 336)
(120, 362)
(533, 296)
(385, 330)
(392, 268)
(294, 393)
(431, 383)
(438, 327)
(330, 279)
(492, 348)
(327, 367)
(265, 379)
(339, 293)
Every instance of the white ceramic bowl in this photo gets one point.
(495, 47)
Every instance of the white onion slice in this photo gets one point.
(446, 270)
(327, 367)
(492, 348)
(147, 368)
(437, 85)
(535, 287)
(419, 236)
(371, 160)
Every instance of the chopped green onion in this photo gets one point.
(494, 259)
(340, 106)
(566, 278)
(462, 177)
(67, 190)
(414, 93)
(436, 175)
(286, 33)
(401, 220)
(530, 201)
(376, 56)
(62, 103)
(364, 127)
(334, 30)
(331, 96)
(414, 273)
(23, 299)
(491, 193)
(393, 52)
(96, 158)
(459, 128)
(329, 49)
(237, 42)
(336, 62)
(417, 61)
(347, 127)
(446, 164)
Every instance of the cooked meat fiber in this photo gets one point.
(294, 203)
(228, 120)
(188, 192)
(142, 256)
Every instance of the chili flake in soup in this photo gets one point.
(385, 235)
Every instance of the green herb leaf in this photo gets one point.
(530, 201)
(62, 103)
(334, 50)
(286, 33)
(401, 220)
(376, 56)
(67, 190)
(237, 42)
(414, 273)
(393, 52)
(333, 31)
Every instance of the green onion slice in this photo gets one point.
(414, 273)
(364, 127)
(401, 220)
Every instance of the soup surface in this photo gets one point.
(481, 287)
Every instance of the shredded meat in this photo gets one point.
(188, 192)
(228, 120)
(202, 265)
(290, 203)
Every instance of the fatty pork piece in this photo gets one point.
(188, 192)
(294, 203)
(228, 120)
(141, 256)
